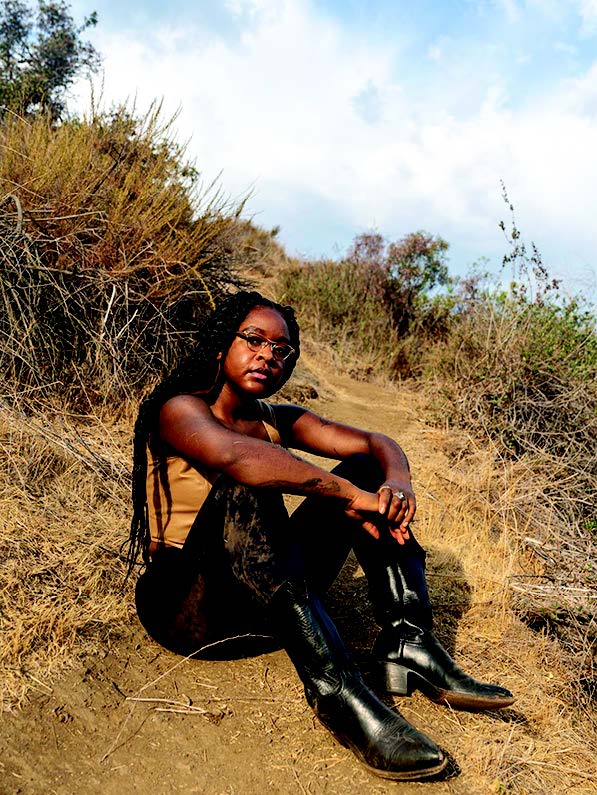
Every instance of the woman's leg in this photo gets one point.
(266, 559)
(171, 602)
(409, 654)
(211, 588)
(326, 536)
(323, 532)
(249, 535)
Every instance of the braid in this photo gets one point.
(199, 372)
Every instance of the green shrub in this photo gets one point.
(523, 372)
(373, 307)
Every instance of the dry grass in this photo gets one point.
(65, 513)
(111, 253)
(521, 377)
(523, 374)
(113, 194)
(476, 512)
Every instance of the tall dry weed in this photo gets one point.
(112, 252)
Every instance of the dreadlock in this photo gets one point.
(197, 373)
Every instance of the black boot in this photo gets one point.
(412, 658)
(380, 738)
(408, 655)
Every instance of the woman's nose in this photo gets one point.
(266, 353)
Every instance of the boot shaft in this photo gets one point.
(396, 579)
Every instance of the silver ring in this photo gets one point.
(399, 494)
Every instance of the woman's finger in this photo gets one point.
(401, 534)
(371, 529)
(410, 512)
(384, 499)
(398, 506)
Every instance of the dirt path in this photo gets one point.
(251, 731)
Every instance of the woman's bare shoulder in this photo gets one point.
(184, 404)
(285, 416)
(286, 413)
(188, 427)
(183, 412)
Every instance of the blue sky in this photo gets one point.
(343, 116)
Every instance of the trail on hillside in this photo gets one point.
(139, 719)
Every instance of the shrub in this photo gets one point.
(523, 374)
(520, 366)
(373, 307)
(112, 252)
(339, 304)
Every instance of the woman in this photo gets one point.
(211, 466)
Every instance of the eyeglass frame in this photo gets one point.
(265, 341)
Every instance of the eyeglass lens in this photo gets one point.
(256, 343)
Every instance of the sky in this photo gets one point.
(343, 116)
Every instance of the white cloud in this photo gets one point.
(255, 8)
(588, 12)
(316, 116)
(434, 53)
(565, 47)
(511, 9)
(584, 10)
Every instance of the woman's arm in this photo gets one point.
(188, 427)
(304, 430)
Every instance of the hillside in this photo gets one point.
(246, 728)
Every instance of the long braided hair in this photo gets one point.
(199, 372)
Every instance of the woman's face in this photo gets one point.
(258, 372)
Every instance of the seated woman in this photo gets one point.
(211, 464)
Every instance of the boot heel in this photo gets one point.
(396, 679)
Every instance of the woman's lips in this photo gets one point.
(261, 375)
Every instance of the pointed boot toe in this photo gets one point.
(381, 739)
(476, 696)
(414, 757)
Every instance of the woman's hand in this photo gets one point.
(363, 507)
(396, 501)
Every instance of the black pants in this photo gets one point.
(242, 547)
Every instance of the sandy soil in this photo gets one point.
(242, 725)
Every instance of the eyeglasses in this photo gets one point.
(255, 342)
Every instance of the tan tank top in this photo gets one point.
(177, 488)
